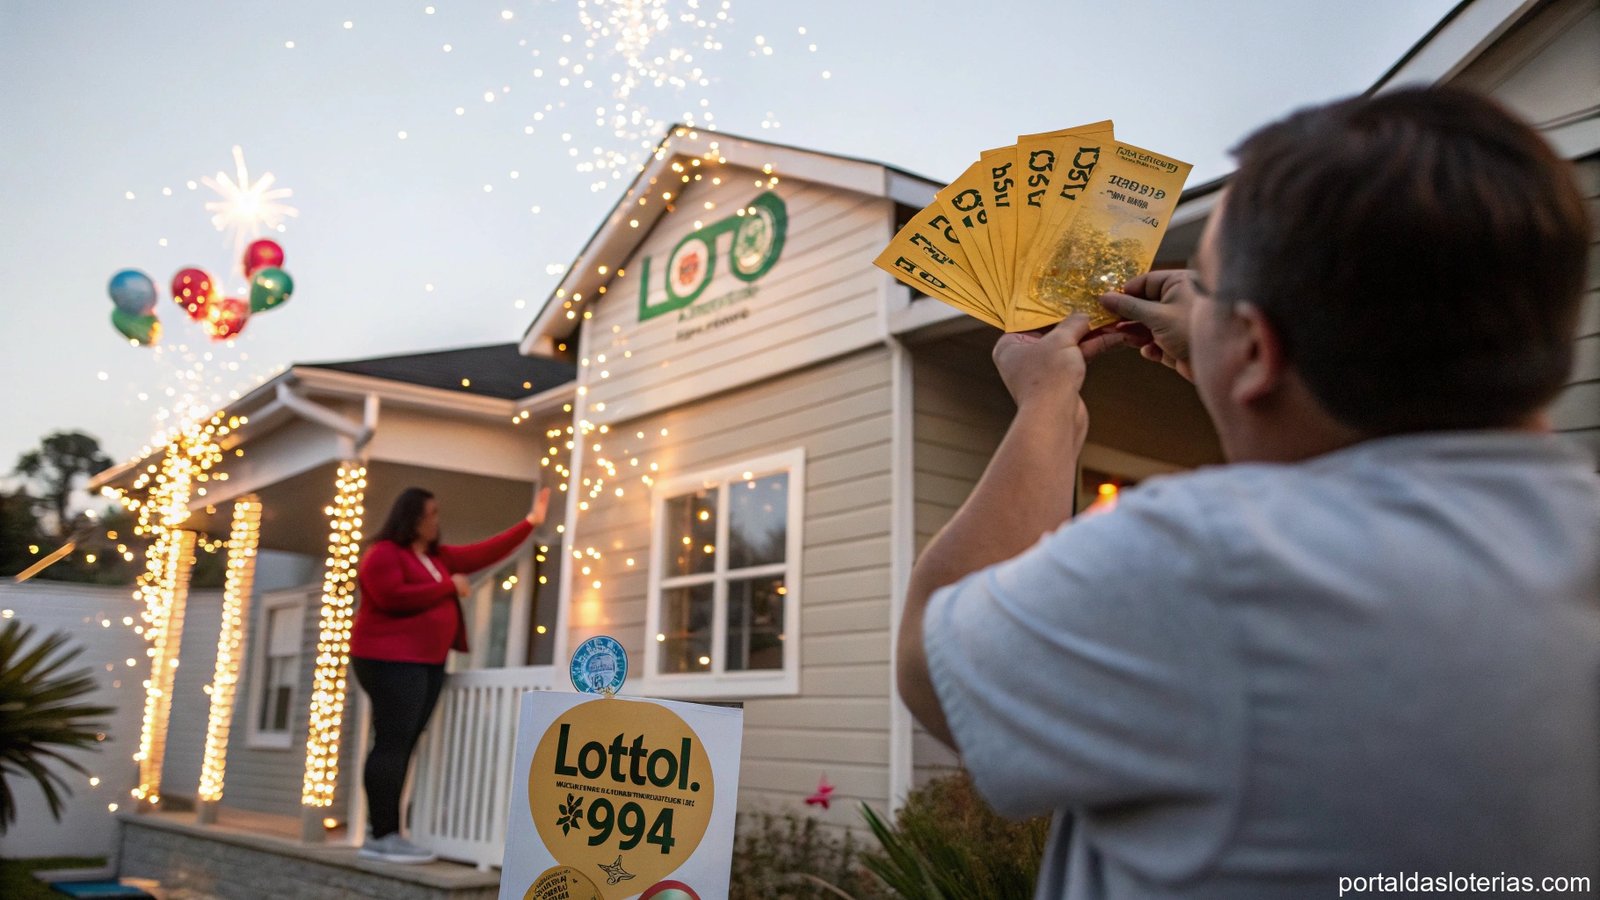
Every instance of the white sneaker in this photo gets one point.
(392, 848)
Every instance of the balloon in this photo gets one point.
(133, 292)
(261, 254)
(195, 291)
(143, 330)
(228, 318)
(269, 287)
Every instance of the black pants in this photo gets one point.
(403, 696)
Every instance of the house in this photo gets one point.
(752, 432)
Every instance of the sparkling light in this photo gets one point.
(164, 585)
(333, 646)
(242, 544)
(247, 208)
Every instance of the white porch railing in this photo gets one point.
(462, 778)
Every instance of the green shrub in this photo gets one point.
(946, 844)
(791, 857)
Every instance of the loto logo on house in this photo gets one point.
(757, 233)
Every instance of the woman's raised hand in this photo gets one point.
(541, 505)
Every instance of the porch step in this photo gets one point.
(216, 862)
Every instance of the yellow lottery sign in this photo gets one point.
(621, 792)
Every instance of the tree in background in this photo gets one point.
(32, 524)
(55, 469)
(20, 539)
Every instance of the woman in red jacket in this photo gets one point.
(407, 622)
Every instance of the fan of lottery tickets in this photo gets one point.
(1034, 232)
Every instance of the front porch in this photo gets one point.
(251, 783)
(245, 856)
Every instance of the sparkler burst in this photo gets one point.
(247, 209)
(640, 66)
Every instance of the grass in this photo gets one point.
(17, 881)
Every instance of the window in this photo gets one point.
(724, 609)
(276, 672)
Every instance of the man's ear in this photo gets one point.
(1261, 363)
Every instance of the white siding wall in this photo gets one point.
(268, 780)
(1548, 70)
(821, 299)
(839, 412)
(1577, 411)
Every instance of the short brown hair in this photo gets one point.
(1421, 254)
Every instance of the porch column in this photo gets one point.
(333, 650)
(164, 588)
(242, 541)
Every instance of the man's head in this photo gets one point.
(1412, 261)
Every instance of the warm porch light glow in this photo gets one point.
(242, 542)
(333, 647)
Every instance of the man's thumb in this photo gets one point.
(1128, 307)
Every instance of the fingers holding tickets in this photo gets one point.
(1050, 363)
(1156, 308)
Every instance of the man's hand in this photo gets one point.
(1156, 306)
(1049, 366)
(463, 586)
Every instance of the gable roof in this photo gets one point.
(492, 370)
(642, 206)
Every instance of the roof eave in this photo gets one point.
(617, 238)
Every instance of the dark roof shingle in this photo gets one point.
(495, 370)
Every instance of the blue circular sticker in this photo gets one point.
(599, 666)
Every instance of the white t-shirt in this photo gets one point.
(1251, 680)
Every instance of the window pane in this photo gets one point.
(280, 709)
(685, 635)
(755, 623)
(505, 585)
(691, 534)
(758, 524)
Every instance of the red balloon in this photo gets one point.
(227, 318)
(195, 291)
(260, 255)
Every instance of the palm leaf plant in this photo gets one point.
(42, 716)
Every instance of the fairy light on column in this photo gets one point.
(164, 586)
(242, 542)
(333, 646)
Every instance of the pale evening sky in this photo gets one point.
(102, 99)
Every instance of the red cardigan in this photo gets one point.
(405, 614)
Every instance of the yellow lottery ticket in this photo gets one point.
(962, 201)
(1120, 215)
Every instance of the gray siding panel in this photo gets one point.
(839, 412)
(960, 414)
(1576, 413)
(268, 779)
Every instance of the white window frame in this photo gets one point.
(719, 683)
(268, 604)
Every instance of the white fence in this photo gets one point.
(93, 615)
(462, 779)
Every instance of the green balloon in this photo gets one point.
(269, 287)
(142, 330)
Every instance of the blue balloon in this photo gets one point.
(133, 292)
